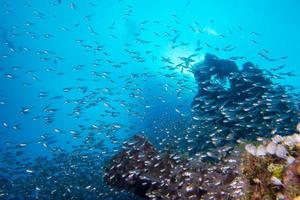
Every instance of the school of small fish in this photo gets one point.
(65, 112)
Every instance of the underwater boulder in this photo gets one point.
(153, 174)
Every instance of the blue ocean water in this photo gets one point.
(73, 70)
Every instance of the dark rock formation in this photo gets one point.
(232, 104)
(151, 174)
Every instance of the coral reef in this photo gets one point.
(231, 106)
(268, 170)
(272, 169)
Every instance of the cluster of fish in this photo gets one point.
(75, 174)
(107, 98)
(234, 105)
(153, 174)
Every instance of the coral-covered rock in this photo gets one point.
(275, 175)
(291, 180)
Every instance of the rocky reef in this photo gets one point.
(152, 174)
(241, 143)
(270, 170)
